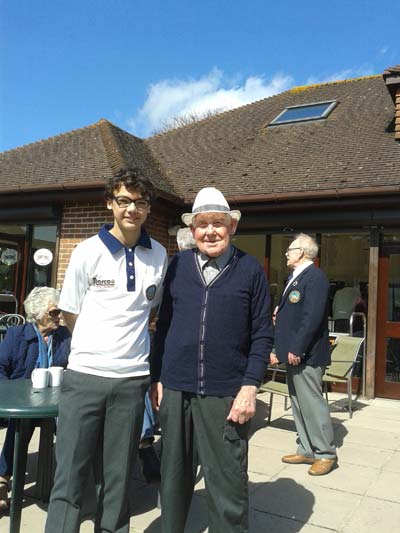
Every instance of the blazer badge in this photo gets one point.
(294, 297)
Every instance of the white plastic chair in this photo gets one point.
(12, 319)
(8, 321)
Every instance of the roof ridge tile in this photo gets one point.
(299, 88)
(112, 146)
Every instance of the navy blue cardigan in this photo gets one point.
(213, 339)
(20, 349)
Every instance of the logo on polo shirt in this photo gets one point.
(105, 283)
(151, 292)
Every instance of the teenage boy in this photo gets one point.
(112, 284)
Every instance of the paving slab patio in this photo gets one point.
(361, 495)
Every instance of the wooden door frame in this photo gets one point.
(384, 389)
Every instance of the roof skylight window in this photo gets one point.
(305, 112)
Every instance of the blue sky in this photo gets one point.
(65, 64)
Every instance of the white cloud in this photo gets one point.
(171, 98)
(345, 74)
(384, 50)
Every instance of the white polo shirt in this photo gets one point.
(112, 290)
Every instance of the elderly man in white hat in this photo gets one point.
(212, 345)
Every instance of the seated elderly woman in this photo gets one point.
(39, 343)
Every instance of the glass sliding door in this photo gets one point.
(27, 260)
(278, 271)
(41, 269)
(344, 257)
(12, 252)
(251, 244)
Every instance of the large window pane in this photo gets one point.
(42, 257)
(392, 360)
(251, 244)
(12, 239)
(393, 309)
(278, 271)
(344, 257)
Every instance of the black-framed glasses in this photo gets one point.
(294, 248)
(54, 313)
(123, 201)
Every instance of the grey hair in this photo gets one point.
(185, 239)
(308, 244)
(38, 302)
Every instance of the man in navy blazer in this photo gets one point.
(302, 342)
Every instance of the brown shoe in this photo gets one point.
(322, 467)
(297, 459)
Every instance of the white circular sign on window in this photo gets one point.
(43, 257)
(9, 256)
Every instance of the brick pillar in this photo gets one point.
(80, 221)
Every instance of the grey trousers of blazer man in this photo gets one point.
(310, 412)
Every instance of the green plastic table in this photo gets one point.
(20, 401)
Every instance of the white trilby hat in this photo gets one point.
(210, 200)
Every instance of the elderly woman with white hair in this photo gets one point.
(40, 343)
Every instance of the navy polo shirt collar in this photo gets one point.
(114, 245)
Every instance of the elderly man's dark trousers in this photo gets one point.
(96, 416)
(195, 431)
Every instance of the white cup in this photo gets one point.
(56, 374)
(40, 378)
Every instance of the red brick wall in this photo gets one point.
(82, 220)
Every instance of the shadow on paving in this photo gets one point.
(286, 423)
(281, 506)
(341, 406)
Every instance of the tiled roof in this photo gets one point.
(354, 147)
(79, 157)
